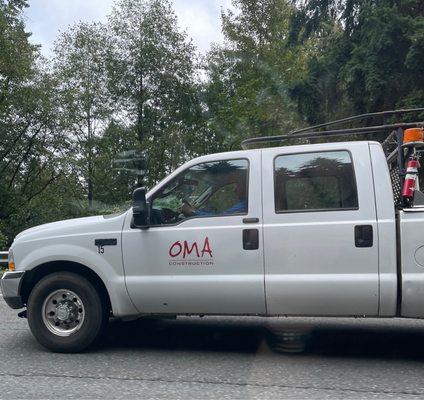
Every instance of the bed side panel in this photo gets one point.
(412, 262)
(386, 232)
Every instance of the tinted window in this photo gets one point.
(204, 190)
(314, 181)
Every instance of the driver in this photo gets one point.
(238, 208)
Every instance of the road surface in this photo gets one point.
(219, 358)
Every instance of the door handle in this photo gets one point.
(250, 239)
(363, 236)
(250, 220)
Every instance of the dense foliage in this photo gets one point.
(123, 103)
(371, 56)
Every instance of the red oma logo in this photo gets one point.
(184, 249)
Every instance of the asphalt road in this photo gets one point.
(218, 358)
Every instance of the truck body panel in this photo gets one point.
(312, 266)
(74, 241)
(169, 270)
(387, 261)
(411, 225)
(307, 262)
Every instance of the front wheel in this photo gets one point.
(65, 312)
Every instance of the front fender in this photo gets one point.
(107, 265)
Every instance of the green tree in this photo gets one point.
(28, 142)
(152, 77)
(80, 61)
(115, 175)
(371, 56)
(3, 240)
(248, 77)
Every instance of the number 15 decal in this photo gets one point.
(100, 243)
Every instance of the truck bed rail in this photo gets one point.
(316, 131)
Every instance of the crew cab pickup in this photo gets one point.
(303, 230)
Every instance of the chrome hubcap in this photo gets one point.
(63, 312)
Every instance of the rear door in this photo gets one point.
(320, 236)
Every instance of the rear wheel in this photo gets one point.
(65, 312)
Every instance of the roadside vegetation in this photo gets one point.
(123, 103)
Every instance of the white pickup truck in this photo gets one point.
(303, 230)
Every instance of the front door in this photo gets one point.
(202, 253)
(320, 231)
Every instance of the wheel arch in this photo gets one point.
(34, 275)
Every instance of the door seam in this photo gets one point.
(263, 232)
(378, 228)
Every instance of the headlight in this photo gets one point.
(11, 261)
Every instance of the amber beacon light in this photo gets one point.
(413, 137)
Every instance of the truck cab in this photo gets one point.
(270, 256)
(302, 230)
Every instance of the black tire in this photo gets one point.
(95, 313)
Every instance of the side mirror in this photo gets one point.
(140, 209)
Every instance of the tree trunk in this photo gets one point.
(140, 117)
(90, 184)
(90, 160)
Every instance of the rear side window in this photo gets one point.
(314, 181)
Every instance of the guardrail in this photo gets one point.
(4, 259)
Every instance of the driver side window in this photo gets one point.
(209, 189)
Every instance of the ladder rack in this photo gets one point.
(314, 132)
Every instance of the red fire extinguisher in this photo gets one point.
(410, 182)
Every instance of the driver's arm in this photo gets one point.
(190, 211)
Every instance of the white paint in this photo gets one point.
(307, 263)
